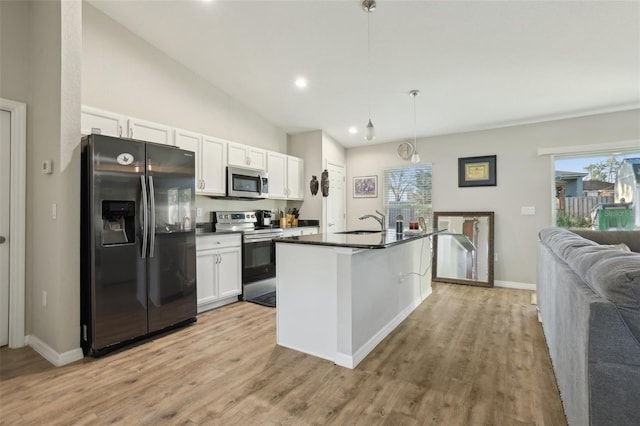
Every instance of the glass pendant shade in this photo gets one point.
(370, 131)
(415, 157)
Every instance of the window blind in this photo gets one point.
(407, 192)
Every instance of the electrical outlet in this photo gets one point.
(199, 212)
(496, 258)
(54, 211)
(44, 298)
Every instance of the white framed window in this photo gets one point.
(407, 192)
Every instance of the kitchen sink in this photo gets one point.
(359, 232)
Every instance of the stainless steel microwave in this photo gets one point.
(247, 183)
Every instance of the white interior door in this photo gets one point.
(336, 213)
(5, 146)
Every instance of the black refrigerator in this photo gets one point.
(138, 247)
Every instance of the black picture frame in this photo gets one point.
(477, 171)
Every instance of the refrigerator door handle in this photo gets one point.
(145, 218)
(152, 227)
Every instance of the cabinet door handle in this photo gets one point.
(120, 131)
(204, 184)
(131, 132)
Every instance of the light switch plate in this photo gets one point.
(528, 211)
(47, 167)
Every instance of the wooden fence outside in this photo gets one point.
(580, 207)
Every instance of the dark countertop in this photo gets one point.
(376, 240)
(206, 228)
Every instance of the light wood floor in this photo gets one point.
(466, 356)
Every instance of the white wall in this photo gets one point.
(316, 148)
(308, 146)
(123, 73)
(41, 58)
(523, 177)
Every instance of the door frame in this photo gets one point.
(17, 218)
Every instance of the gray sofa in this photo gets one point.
(589, 305)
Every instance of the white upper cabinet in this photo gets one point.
(191, 142)
(246, 156)
(94, 120)
(285, 176)
(295, 178)
(277, 169)
(210, 154)
(213, 165)
(149, 131)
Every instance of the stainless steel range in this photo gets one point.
(259, 252)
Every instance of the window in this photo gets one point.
(590, 194)
(407, 192)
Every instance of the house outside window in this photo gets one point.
(407, 192)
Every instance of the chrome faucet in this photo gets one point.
(381, 220)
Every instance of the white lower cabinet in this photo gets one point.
(219, 270)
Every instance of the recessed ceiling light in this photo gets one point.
(353, 130)
(301, 82)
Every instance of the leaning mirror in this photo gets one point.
(463, 249)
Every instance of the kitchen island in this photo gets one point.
(339, 295)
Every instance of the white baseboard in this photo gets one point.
(48, 353)
(352, 361)
(426, 294)
(513, 284)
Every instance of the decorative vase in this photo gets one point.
(325, 183)
(313, 185)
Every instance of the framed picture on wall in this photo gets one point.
(477, 171)
(365, 187)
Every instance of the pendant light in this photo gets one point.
(415, 157)
(369, 6)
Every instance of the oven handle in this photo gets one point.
(258, 240)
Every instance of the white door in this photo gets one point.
(5, 144)
(336, 214)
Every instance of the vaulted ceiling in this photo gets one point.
(477, 64)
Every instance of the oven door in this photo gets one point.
(259, 259)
